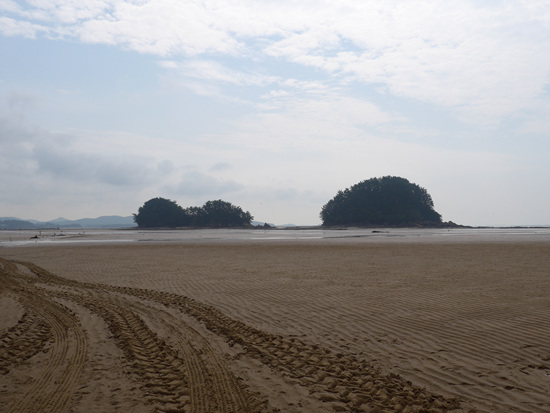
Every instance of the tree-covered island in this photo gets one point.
(386, 201)
(161, 212)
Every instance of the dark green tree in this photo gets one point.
(220, 214)
(161, 212)
(389, 200)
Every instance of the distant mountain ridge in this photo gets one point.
(109, 221)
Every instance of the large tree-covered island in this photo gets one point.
(161, 212)
(386, 201)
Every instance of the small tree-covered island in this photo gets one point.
(387, 201)
(161, 212)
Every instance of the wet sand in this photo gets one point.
(292, 326)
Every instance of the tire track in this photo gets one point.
(53, 389)
(189, 377)
(347, 383)
(23, 341)
(210, 373)
(160, 370)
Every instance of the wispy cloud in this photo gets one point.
(476, 58)
(216, 72)
(13, 27)
(195, 184)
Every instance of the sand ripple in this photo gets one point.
(277, 327)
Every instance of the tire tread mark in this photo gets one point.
(343, 379)
(22, 341)
(53, 389)
(227, 394)
(211, 386)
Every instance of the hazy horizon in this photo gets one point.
(298, 224)
(274, 106)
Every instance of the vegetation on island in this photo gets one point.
(386, 201)
(161, 212)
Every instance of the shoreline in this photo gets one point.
(13, 238)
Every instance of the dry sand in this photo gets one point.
(287, 326)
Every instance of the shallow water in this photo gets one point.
(64, 237)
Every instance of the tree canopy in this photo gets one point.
(222, 214)
(161, 212)
(389, 200)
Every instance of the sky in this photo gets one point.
(274, 106)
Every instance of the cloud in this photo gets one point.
(9, 6)
(214, 71)
(168, 64)
(195, 184)
(485, 62)
(220, 166)
(13, 27)
(305, 45)
(457, 56)
(165, 28)
(80, 173)
(310, 123)
(210, 78)
(70, 164)
(66, 156)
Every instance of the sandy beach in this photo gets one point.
(285, 325)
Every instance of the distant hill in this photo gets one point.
(112, 221)
(15, 223)
(261, 223)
